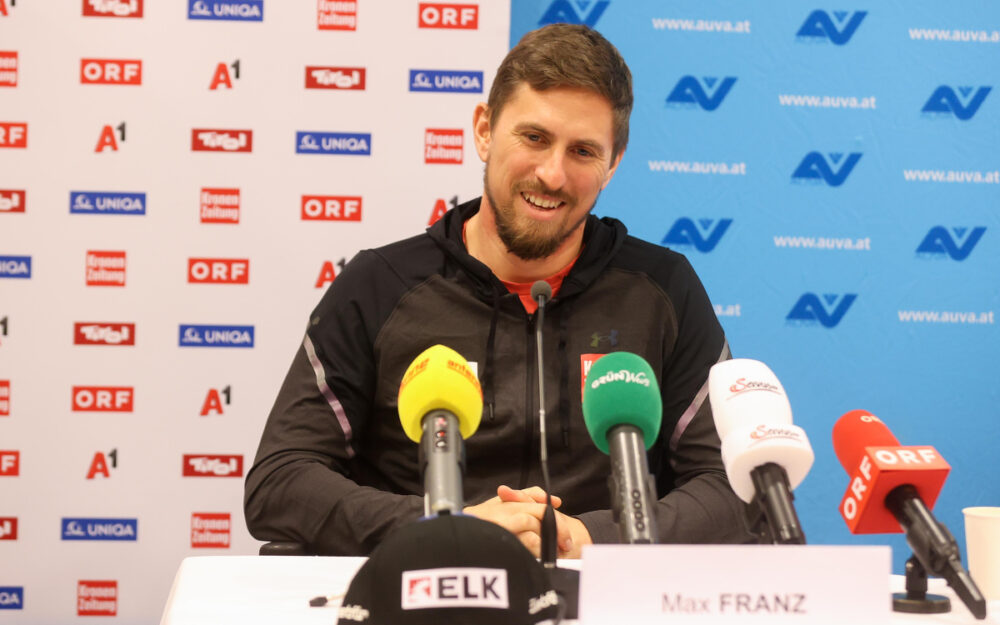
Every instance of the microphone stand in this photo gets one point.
(566, 582)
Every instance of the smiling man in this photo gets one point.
(334, 469)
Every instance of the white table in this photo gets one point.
(250, 590)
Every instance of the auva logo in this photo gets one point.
(578, 12)
(814, 167)
(828, 311)
(939, 242)
(819, 25)
(686, 232)
(945, 100)
(689, 92)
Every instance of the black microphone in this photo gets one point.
(566, 582)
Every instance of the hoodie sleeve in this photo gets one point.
(300, 487)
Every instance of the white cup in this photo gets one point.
(982, 543)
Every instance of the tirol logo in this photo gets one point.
(110, 72)
(689, 92)
(235, 10)
(103, 333)
(106, 203)
(455, 587)
(333, 143)
(219, 270)
(212, 465)
(443, 146)
(8, 528)
(219, 206)
(743, 385)
(15, 267)
(337, 14)
(97, 597)
(963, 104)
(349, 78)
(10, 463)
(8, 69)
(828, 311)
(210, 530)
(102, 398)
(13, 135)
(574, 12)
(214, 140)
(11, 597)
(438, 15)
(105, 268)
(100, 529)
(704, 235)
(814, 168)
(216, 336)
(331, 208)
(112, 8)
(820, 26)
(12, 200)
(4, 398)
(939, 242)
(446, 81)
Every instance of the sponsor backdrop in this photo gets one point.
(180, 181)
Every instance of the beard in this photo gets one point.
(525, 238)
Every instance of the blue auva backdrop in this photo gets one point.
(831, 173)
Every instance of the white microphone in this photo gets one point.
(764, 454)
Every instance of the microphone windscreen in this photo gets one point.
(543, 288)
(856, 430)
(741, 391)
(439, 379)
(621, 389)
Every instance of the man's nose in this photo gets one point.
(551, 171)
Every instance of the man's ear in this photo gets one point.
(481, 130)
(613, 168)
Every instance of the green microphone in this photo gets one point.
(623, 410)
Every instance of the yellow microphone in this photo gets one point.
(440, 403)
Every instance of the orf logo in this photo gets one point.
(815, 168)
(827, 311)
(13, 135)
(939, 242)
(437, 15)
(570, 12)
(331, 208)
(704, 236)
(10, 463)
(212, 465)
(963, 104)
(110, 72)
(819, 26)
(8, 528)
(218, 270)
(689, 92)
(97, 598)
(112, 8)
(102, 398)
(8, 69)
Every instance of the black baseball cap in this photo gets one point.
(449, 569)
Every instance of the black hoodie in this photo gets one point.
(334, 469)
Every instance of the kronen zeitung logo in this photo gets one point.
(623, 375)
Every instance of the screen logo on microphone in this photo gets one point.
(743, 385)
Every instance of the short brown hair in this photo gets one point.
(567, 55)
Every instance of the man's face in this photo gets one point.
(547, 159)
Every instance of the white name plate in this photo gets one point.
(701, 584)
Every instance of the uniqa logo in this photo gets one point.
(623, 375)
(685, 232)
